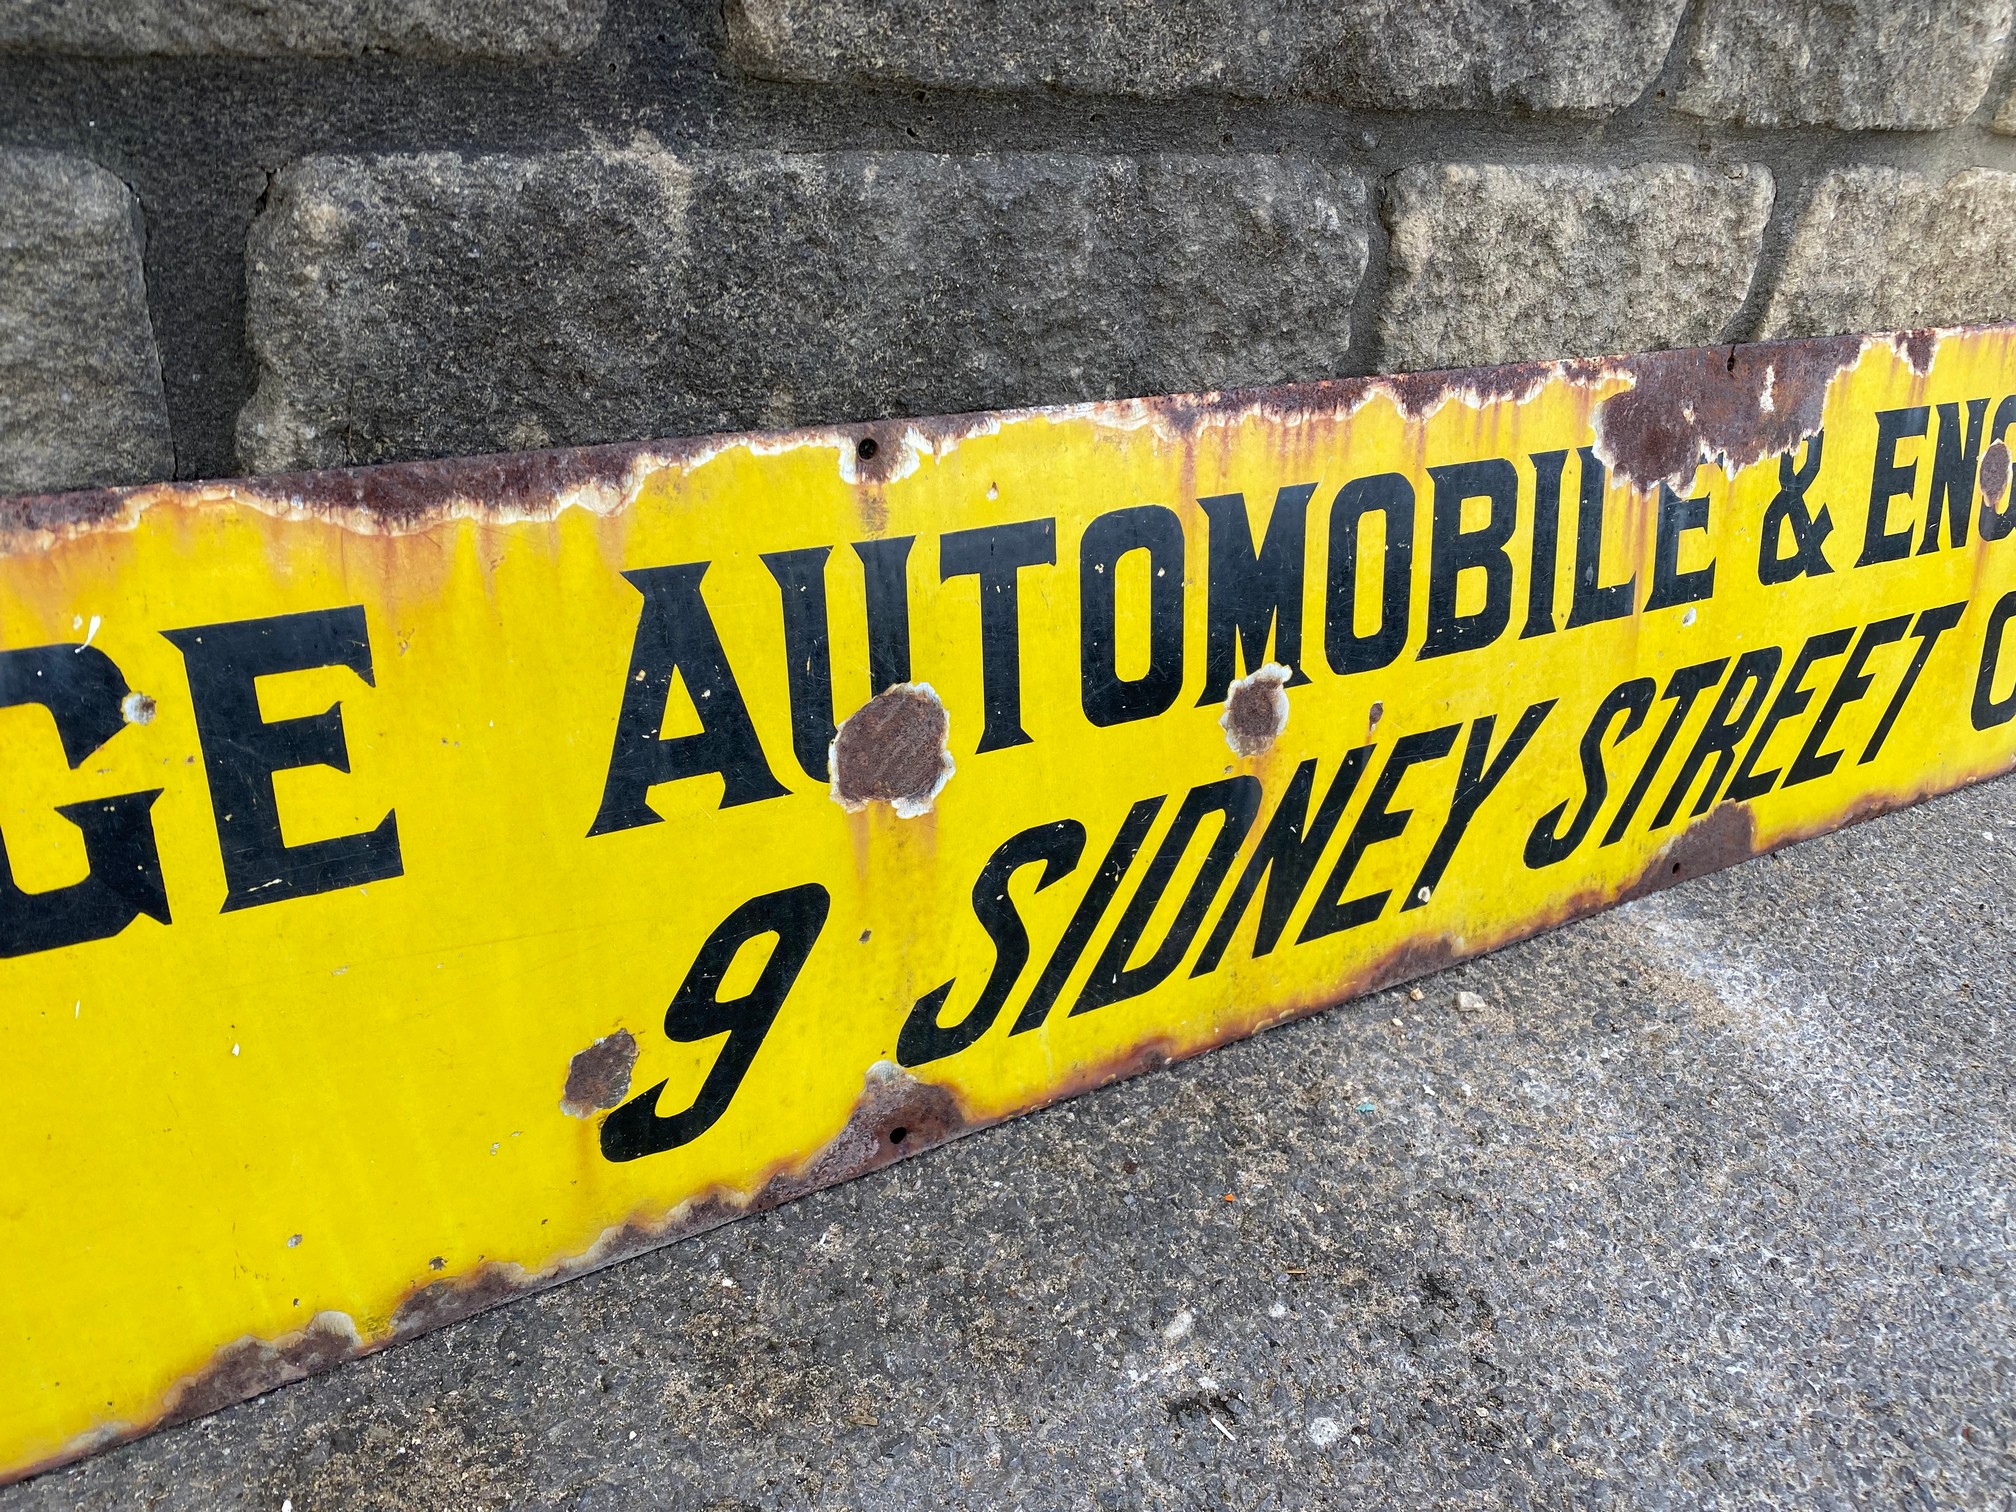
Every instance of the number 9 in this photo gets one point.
(698, 1012)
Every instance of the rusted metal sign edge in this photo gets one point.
(1747, 545)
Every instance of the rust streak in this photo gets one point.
(1916, 348)
(1737, 404)
(1419, 395)
(250, 1367)
(439, 1303)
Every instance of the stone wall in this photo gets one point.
(317, 232)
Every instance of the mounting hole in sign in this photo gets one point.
(898, 1135)
(866, 448)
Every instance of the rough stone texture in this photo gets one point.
(1580, 57)
(1912, 65)
(1093, 80)
(1494, 264)
(433, 305)
(80, 382)
(1879, 249)
(1708, 1204)
(513, 29)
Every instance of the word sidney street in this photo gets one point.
(1253, 610)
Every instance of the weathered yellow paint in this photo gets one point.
(378, 1070)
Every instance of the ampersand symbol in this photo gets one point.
(1809, 530)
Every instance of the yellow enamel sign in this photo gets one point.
(425, 883)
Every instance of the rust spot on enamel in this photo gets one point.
(1995, 473)
(599, 1077)
(1419, 395)
(893, 750)
(1256, 711)
(1721, 838)
(1730, 405)
(1917, 348)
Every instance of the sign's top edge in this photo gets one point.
(1746, 401)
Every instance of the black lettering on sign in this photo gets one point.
(1546, 551)
(1595, 600)
(1391, 497)
(1671, 586)
(1725, 729)
(1990, 711)
(1085, 918)
(1994, 479)
(808, 653)
(1956, 460)
(1793, 697)
(1853, 683)
(996, 554)
(1478, 780)
(1454, 551)
(1332, 912)
(698, 1012)
(1888, 479)
(1285, 858)
(675, 634)
(1682, 688)
(885, 567)
(84, 693)
(241, 752)
(1236, 800)
(1780, 561)
(1110, 699)
(1928, 627)
(1549, 843)
(1253, 593)
(1057, 846)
